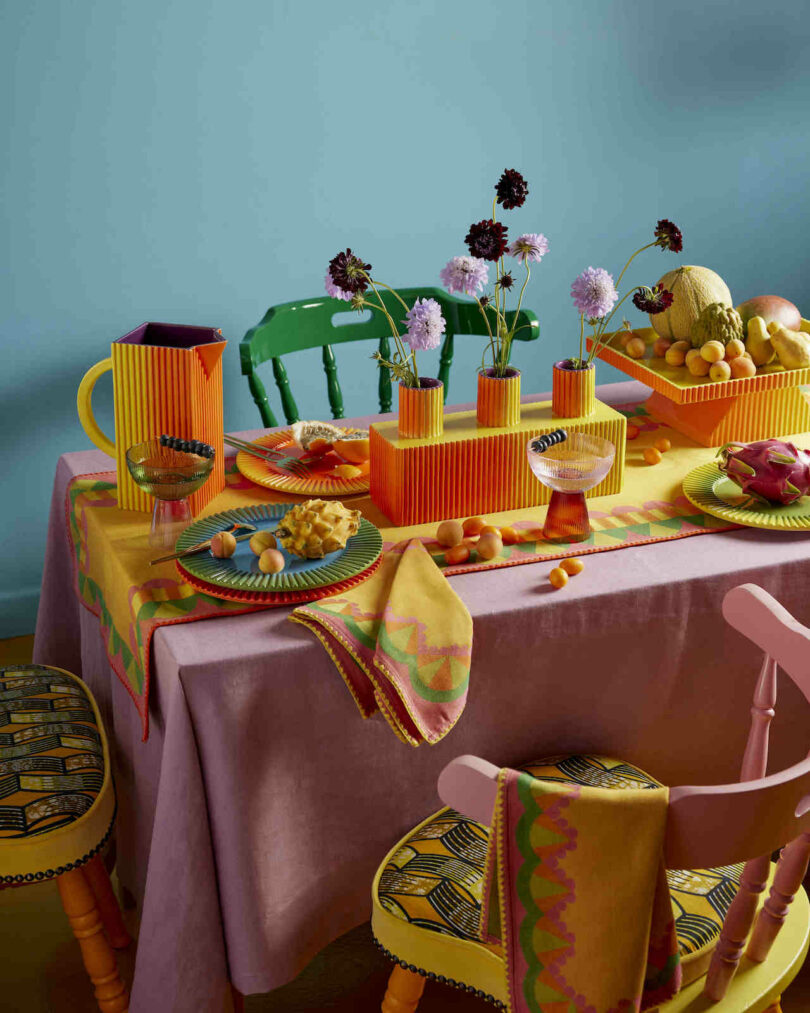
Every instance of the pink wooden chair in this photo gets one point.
(709, 828)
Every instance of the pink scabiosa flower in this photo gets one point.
(486, 239)
(335, 291)
(531, 247)
(652, 300)
(425, 325)
(465, 274)
(594, 293)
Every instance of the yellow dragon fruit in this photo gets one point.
(314, 528)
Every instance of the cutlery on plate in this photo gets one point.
(246, 531)
(275, 457)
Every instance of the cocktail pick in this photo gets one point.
(542, 443)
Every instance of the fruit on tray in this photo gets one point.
(717, 322)
(772, 308)
(742, 366)
(770, 470)
(696, 364)
(792, 348)
(636, 348)
(625, 336)
(758, 342)
(693, 288)
(735, 348)
(262, 540)
(713, 351)
(676, 353)
(316, 437)
(558, 578)
(353, 447)
(660, 347)
(315, 527)
(223, 545)
(450, 533)
(572, 566)
(720, 371)
(271, 561)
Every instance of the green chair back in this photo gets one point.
(308, 323)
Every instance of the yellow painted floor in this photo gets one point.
(41, 969)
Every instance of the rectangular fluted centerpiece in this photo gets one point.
(473, 470)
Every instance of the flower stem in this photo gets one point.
(641, 250)
(391, 324)
(393, 292)
(581, 334)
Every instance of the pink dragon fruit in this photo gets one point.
(769, 470)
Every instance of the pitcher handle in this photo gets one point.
(86, 417)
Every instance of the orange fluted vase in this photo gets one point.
(498, 398)
(421, 409)
(573, 391)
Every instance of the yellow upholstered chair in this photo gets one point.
(427, 894)
(57, 810)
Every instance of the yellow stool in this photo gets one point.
(57, 810)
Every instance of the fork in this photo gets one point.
(282, 461)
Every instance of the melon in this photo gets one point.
(693, 289)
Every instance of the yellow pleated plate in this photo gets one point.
(319, 483)
(713, 493)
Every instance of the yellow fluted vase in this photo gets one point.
(573, 391)
(421, 410)
(498, 401)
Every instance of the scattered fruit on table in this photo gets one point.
(662, 444)
(713, 351)
(771, 308)
(353, 447)
(316, 437)
(532, 535)
(772, 471)
(676, 353)
(572, 566)
(636, 348)
(758, 342)
(632, 432)
(792, 348)
(696, 364)
(741, 367)
(660, 347)
(223, 545)
(347, 471)
(717, 322)
(457, 554)
(489, 545)
(315, 527)
(558, 577)
(271, 561)
(450, 533)
(262, 540)
(652, 455)
(720, 371)
(693, 288)
(490, 529)
(509, 536)
(473, 525)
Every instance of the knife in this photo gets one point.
(248, 529)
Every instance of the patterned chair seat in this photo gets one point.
(433, 880)
(57, 803)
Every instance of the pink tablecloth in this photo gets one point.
(252, 821)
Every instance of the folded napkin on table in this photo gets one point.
(402, 641)
(577, 894)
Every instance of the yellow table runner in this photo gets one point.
(132, 599)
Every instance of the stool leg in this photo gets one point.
(107, 903)
(99, 959)
(405, 989)
(238, 1000)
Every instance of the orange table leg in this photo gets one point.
(405, 989)
(97, 954)
(107, 903)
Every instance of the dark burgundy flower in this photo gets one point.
(652, 300)
(506, 281)
(348, 272)
(487, 240)
(512, 189)
(484, 300)
(668, 236)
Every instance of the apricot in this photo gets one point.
(489, 545)
(449, 533)
(624, 337)
(734, 349)
(509, 536)
(473, 525)
(676, 353)
(662, 444)
(696, 364)
(271, 561)
(713, 351)
(652, 455)
(262, 540)
(558, 577)
(660, 347)
(457, 554)
(720, 371)
(223, 545)
(490, 529)
(531, 535)
(347, 471)
(632, 432)
(636, 348)
(572, 566)
(742, 366)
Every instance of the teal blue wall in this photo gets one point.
(199, 160)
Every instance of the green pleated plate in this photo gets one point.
(241, 572)
(713, 493)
